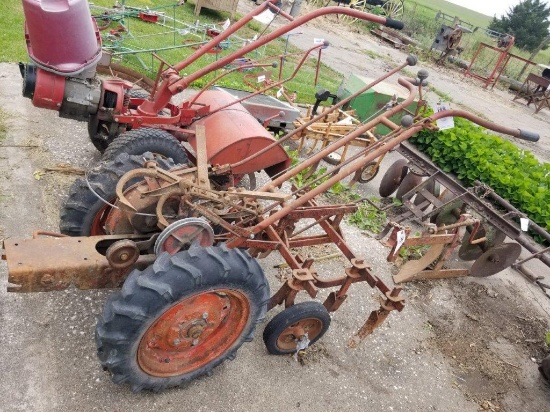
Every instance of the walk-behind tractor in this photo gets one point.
(183, 242)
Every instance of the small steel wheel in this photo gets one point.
(369, 172)
(393, 9)
(286, 329)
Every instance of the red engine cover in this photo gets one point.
(49, 90)
(61, 35)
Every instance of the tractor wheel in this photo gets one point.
(145, 139)
(84, 211)
(181, 317)
(282, 333)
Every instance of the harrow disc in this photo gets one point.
(409, 182)
(495, 260)
(393, 178)
(494, 237)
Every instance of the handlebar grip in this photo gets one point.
(530, 136)
(394, 24)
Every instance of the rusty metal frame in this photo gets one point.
(248, 223)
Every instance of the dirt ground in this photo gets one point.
(460, 345)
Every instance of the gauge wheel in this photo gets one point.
(369, 172)
(181, 317)
(287, 328)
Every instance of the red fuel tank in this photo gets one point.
(61, 35)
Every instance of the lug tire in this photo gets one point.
(301, 313)
(139, 141)
(126, 332)
(83, 209)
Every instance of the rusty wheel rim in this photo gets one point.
(98, 223)
(193, 332)
(288, 338)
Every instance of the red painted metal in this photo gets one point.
(172, 83)
(233, 134)
(61, 35)
(193, 332)
(49, 90)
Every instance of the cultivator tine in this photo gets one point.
(392, 301)
(375, 319)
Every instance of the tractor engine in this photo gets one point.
(64, 45)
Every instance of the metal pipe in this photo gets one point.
(172, 83)
(523, 239)
(320, 116)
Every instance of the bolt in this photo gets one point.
(47, 279)
(124, 257)
(176, 342)
(205, 315)
(116, 119)
(195, 342)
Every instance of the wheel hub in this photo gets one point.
(193, 332)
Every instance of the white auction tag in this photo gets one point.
(524, 223)
(280, 92)
(401, 236)
(226, 24)
(318, 41)
(261, 78)
(265, 17)
(445, 122)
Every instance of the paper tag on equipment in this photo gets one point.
(401, 236)
(524, 222)
(261, 78)
(265, 17)
(318, 41)
(445, 122)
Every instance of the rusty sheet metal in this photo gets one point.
(233, 134)
(48, 263)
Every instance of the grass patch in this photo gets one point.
(135, 46)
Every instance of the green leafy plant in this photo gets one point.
(368, 217)
(472, 154)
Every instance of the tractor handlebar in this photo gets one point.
(394, 24)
